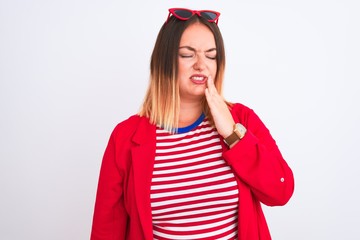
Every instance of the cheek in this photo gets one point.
(182, 66)
(213, 68)
(184, 71)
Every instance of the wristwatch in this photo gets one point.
(239, 133)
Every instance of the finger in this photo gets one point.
(210, 82)
(211, 86)
(211, 100)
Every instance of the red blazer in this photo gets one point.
(122, 208)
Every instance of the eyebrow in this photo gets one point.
(194, 50)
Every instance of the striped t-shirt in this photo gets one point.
(194, 193)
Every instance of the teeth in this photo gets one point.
(198, 78)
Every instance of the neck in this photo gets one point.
(189, 113)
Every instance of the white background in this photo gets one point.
(72, 69)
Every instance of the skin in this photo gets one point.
(197, 67)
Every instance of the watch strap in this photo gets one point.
(231, 139)
(238, 133)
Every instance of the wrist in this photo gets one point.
(236, 135)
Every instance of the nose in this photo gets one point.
(199, 64)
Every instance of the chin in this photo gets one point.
(199, 95)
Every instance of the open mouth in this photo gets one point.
(199, 79)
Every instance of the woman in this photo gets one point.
(190, 165)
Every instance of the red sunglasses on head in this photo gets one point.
(185, 14)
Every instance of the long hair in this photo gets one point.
(162, 100)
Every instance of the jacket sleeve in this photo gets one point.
(110, 217)
(258, 162)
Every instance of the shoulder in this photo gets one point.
(129, 122)
(241, 111)
(239, 107)
(126, 129)
(245, 115)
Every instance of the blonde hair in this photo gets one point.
(162, 100)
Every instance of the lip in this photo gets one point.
(198, 78)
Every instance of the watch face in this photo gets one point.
(240, 130)
(239, 133)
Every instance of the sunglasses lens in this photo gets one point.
(209, 15)
(183, 13)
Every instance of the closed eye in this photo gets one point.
(211, 57)
(211, 53)
(186, 55)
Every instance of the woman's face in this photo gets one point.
(197, 61)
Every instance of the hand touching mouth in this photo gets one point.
(198, 78)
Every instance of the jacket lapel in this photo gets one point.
(143, 155)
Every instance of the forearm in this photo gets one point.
(264, 170)
(257, 161)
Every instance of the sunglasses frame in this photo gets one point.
(193, 12)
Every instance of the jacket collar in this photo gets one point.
(145, 132)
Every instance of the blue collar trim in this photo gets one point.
(192, 126)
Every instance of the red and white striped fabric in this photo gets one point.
(194, 193)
